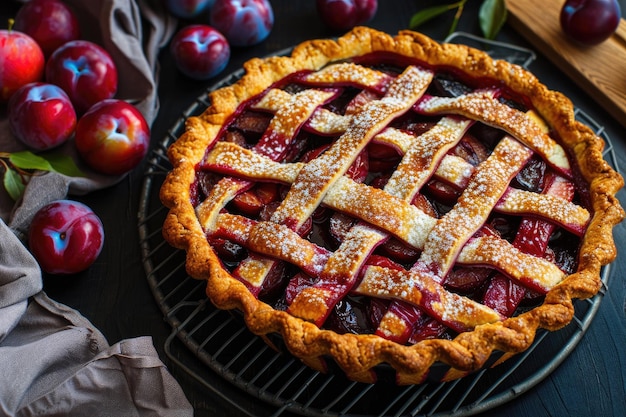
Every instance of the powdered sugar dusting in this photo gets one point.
(485, 188)
(420, 289)
(254, 269)
(272, 100)
(224, 191)
(316, 177)
(422, 157)
(326, 122)
(395, 138)
(396, 216)
(454, 170)
(515, 264)
(231, 158)
(389, 211)
(570, 215)
(481, 105)
(347, 260)
(349, 73)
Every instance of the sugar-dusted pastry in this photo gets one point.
(377, 199)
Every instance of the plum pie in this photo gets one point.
(391, 202)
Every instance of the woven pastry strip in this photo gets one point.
(395, 324)
(316, 178)
(481, 105)
(349, 74)
(282, 130)
(453, 230)
(419, 161)
(504, 294)
(307, 192)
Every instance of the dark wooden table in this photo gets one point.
(114, 294)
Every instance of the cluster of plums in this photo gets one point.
(56, 86)
(202, 51)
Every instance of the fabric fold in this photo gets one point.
(20, 278)
(53, 361)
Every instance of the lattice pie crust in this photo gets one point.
(389, 78)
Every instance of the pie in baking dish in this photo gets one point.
(392, 200)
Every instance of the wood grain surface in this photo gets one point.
(600, 70)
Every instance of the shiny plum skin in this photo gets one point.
(41, 116)
(112, 137)
(22, 62)
(50, 23)
(243, 22)
(65, 237)
(85, 71)
(200, 52)
(342, 15)
(186, 9)
(590, 22)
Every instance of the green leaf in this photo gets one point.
(64, 164)
(425, 15)
(55, 162)
(28, 160)
(492, 16)
(13, 184)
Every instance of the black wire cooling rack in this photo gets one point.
(217, 350)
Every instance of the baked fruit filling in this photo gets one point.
(391, 197)
(390, 200)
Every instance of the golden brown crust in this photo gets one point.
(358, 354)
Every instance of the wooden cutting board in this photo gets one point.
(600, 70)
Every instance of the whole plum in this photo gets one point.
(85, 71)
(590, 22)
(243, 22)
(341, 15)
(112, 137)
(41, 115)
(51, 23)
(22, 62)
(200, 52)
(65, 237)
